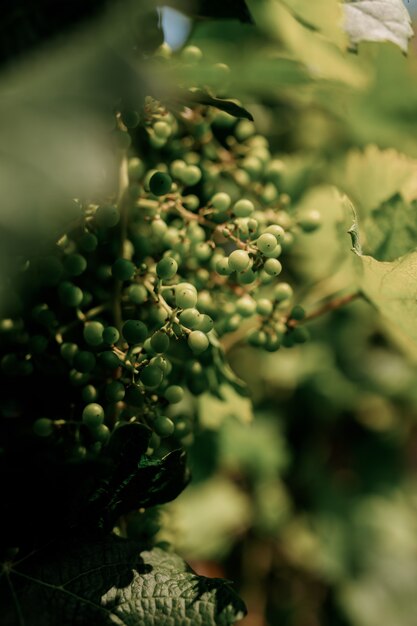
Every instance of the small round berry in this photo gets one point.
(88, 242)
(272, 267)
(162, 129)
(190, 318)
(93, 333)
(43, 427)
(69, 294)
(89, 393)
(115, 391)
(198, 341)
(166, 268)
(266, 242)
(151, 376)
(243, 208)
(221, 201)
(264, 307)
(137, 294)
(297, 313)
(107, 216)
(75, 264)
(109, 360)
(239, 260)
(191, 54)
(185, 298)
(246, 306)
(123, 269)
(282, 291)
(84, 361)
(68, 351)
(111, 335)
(174, 394)
(205, 324)
(160, 183)
(191, 175)
(93, 415)
(276, 230)
(223, 268)
(160, 342)
(164, 427)
(134, 331)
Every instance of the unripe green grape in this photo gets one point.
(282, 291)
(269, 193)
(264, 307)
(38, 344)
(246, 306)
(177, 168)
(300, 334)
(135, 169)
(191, 202)
(221, 201)
(309, 220)
(162, 129)
(266, 242)
(166, 268)
(89, 393)
(272, 267)
(75, 264)
(272, 343)
(107, 216)
(88, 242)
(205, 323)
(203, 251)
(288, 340)
(158, 227)
(196, 233)
(69, 294)
(101, 433)
(160, 342)
(115, 391)
(239, 260)
(198, 341)
(174, 394)
(191, 175)
(151, 376)
(274, 253)
(84, 361)
(191, 54)
(123, 269)
(137, 294)
(223, 268)
(160, 183)
(257, 338)
(247, 277)
(185, 297)
(109, 360)
(253, 225)
(190, 318)
(163, 364)
(111, 335)
(233, 323)
(276, 230)
(164, 426)
(244, 129)
(297, 313)
(43, 427)
(68, 351)
(253, 166)
(243, 208)
(93, 333)
(93, 415)
(158, 316)
(134, 331)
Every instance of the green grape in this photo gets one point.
(243, 208)
(69, 294)
(203, 251)
(93, 415)
(107, 216)
(223, 268)
(196, 233)
(137, 294)
(191, 202)
(247, 277)
(190, 318)
(68, 351)
(185, 297)
(134, 331)
(274, 253)
(205, 323)
(191, 175)
(288, 339)
(43, 427)
(244, 130)
(233, 323)
(239, 260)
(166, 268)
(198, 341)
(101, 433)
(93, 333)
(135, 169)
(160, 342)
(309, 221)
(111, 335)
(84, 361)
(282, 291)
(75, 264)
(115, 391)
(130, 118)
(272, 343)
(300, 334)
(109, 360)
(151, 376)
(174, 394)
(163, 363)
(266, 242)
(221, 201)
(122, 269)
(89, 393)
(191, 54)
(264, 307)
(257, 338)
(164, 426)
(38, 344)
(297, 313)
(177, 168)
(272, 267)
(162, 129)
(276, 230)
(158, 227)
(246, 306)
(160, 184)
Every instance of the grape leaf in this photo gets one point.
(200, 96)
(111, 582)
(392, 288)
(378, 20)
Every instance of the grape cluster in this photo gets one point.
(124, 315)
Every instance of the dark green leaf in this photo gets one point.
(214, 9)
(110, 582)
(202, 97)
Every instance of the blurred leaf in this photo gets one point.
(323, 15)
(109, 582)
(202, 97)
(214, 411)
(214, 9)
(378, 20)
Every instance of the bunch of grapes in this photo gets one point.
(127, 311)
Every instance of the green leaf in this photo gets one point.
(214, 9)
(378, 20)
(392, 288)
(214, 411)
(110, 582)
(199, 96)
